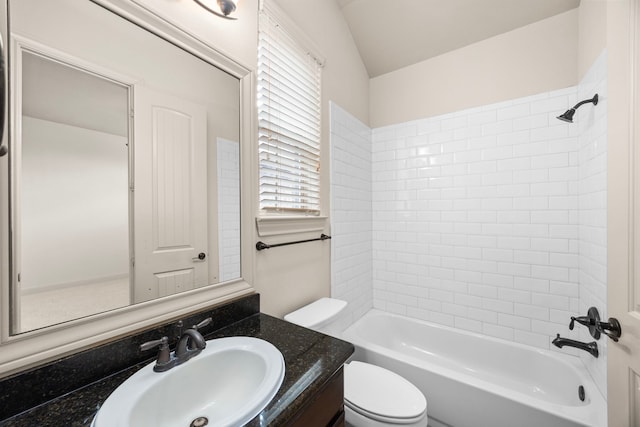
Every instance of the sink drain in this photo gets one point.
(199, 422)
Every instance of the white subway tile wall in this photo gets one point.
(228, 209)
(491, 219)
(351, 250)
(475, 217)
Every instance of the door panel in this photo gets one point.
(170, 195)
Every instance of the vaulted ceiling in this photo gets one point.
(392, 34)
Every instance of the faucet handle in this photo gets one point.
(583, 320)
(203, 323)
(591, 321)
(164, 361)
(155, 343)
(164, 355)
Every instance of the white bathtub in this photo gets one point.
(471, 380)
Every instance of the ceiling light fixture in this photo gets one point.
(223, 8)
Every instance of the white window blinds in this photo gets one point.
(289, 121)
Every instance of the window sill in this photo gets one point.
(277, 225)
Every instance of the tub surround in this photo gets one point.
(490, 219)
(69, 391)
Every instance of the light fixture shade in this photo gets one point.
(227, 6)
(221, 8)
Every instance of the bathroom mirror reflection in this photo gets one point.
(125, 173)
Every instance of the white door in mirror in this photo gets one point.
(170, 215)
(228, 384)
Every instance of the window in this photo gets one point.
(289, 120)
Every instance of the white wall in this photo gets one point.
(74, 205)
(533, 59)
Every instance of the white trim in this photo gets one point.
(33, 348)
(21, 44)
(66, 285)
(278, 225)
(141, 15)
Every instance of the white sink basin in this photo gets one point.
(228, 384)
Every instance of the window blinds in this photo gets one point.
(289, 122)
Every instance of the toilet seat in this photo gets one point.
(382, 395)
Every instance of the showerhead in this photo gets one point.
(568, 115)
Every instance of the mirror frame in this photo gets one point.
(33, 348)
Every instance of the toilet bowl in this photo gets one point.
(373, 396)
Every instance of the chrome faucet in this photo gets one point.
(190, 344)
(591, 348)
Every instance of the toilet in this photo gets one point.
(373, 396)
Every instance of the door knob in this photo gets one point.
(201, 256)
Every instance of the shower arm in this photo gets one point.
(586, 101)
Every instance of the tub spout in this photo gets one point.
(591, 348)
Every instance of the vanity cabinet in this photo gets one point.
(326, 408)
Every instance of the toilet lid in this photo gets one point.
(381, 392)
(317, 313)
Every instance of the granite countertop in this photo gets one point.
(310, 360)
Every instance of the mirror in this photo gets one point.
(125, 165)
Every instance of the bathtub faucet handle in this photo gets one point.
(583, 320)
(591, 321)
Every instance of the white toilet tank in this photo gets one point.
(319, 315)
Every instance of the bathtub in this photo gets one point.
(472, 380)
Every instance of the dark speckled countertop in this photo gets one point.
(310, 358)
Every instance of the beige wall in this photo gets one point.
(236, 39)
(592, 33)
(529, 60)
(536, 58)
(291, 276)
